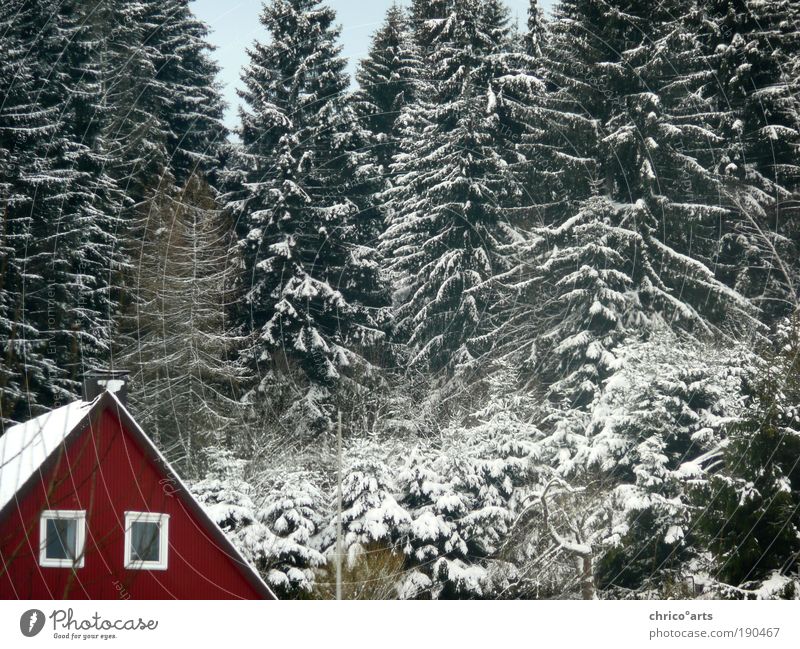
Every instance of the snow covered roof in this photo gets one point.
(25, 447)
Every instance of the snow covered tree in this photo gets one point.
(504, 449)
(273, 530)
(463, 495)
(427, 18)
(293, 512)
(448, 210)
(165, 129)
(434, 534)
(658, 424)
(27, 370)
(753, 44)
(634, 245)
(135, 131)
(749, 508)
(74, 254)
(164, 102)
(372, 524)
(386, 83)
(370, 513)
(535, 38)
(159, 123)
(313, 289)
(193, 106)
(224, 492)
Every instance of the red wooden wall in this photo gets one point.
(104, 472)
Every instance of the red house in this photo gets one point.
(90, 509)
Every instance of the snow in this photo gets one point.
(491, 103)
(112, 385)
(674, 534)
(25, 447)
(415, 583)
(466, 577)
(429, 527)
(773, 585)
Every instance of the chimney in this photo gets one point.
(97, 381)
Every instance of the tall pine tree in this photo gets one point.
(386, 83)
(312, 288)
(448, 211)
(26, 126)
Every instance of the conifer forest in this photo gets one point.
(540, 273)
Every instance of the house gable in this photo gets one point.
(107, 467)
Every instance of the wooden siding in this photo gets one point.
(104, 471)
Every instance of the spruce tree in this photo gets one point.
(427, 491)
(137, 131)
(448, 211)
(293, 511)
(312, 285)
(635, 244)
(748, 516)
(427, 18)
(753, 45)
(74, 252)
(387, 82)
(655, 426)
(27, 367)
(193, 105)
(370, 513)
(535, 38)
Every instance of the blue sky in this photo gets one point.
(234, 25)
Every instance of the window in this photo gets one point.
(146, 537)
(62, 536)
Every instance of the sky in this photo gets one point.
(234, 26)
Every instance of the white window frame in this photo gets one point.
(163, 540)
(78, 515)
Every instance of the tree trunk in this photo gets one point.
(587, 576)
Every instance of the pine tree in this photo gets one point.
(96, 201)
(535, 38)
(193, 107)
(165, 109)
(434, 534)
(165, 135)
(463, 494)
(448, 211)
(372, 524)
(427, 18)
(749, 509)
(134, 131)
(753, 44)
(182, 356)
(27, 367)
(312, 284)
(387, 82)
(73, 256)
(224, 492)
(273, 529)
(658, 421)
(293, 512)
(370, 513)
(635, 243)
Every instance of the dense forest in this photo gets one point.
(546, 275)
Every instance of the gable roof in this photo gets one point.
(28, 450)
(25, 447)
